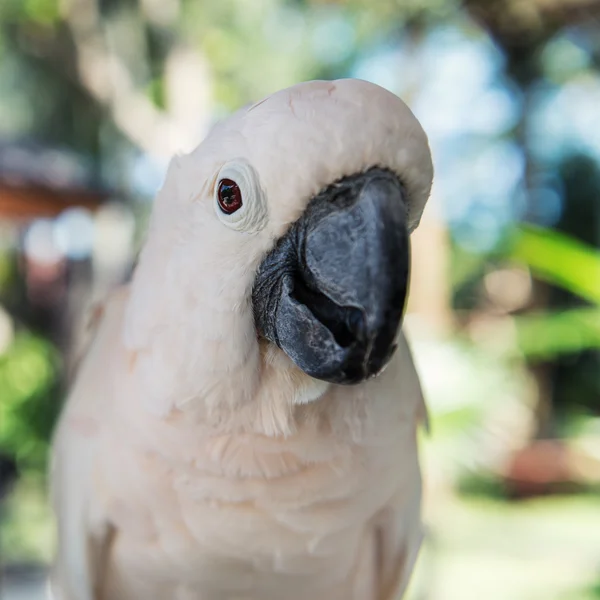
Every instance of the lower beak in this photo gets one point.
(331, 294)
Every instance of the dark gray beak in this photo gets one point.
(331, 294)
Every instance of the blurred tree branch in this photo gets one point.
(109, 59)
(522, 29)
(522, 24)
(107, 78)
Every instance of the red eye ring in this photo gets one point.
(229, 196)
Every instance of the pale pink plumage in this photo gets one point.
(195, 462)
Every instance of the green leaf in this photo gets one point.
(559, 259)
(546, 335)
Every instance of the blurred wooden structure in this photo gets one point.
(38, 182)
(24, 202)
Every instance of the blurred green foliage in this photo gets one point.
(559, 259)
(27, 532)
(547, 335)
(574, 266)
(28, 398)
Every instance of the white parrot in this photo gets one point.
(233, 432)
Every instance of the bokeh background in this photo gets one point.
(96, 95)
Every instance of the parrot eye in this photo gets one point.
(229, 196)
(239, 200)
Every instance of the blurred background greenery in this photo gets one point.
(96, 95)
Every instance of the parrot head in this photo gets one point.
(332, 291)
(291, 221)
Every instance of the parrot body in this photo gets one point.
(206, 452)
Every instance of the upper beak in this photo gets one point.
(331, 294)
